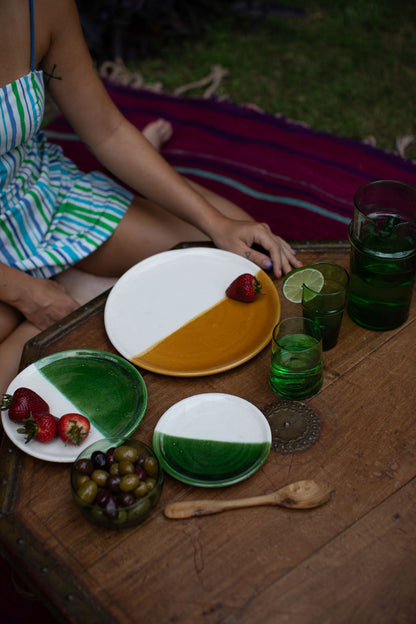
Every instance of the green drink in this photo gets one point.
(326, 306)
(329, 322)
(383, 254)
(296, 363)
(381, 284)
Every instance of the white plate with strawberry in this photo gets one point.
(68, 400)
(172, 314)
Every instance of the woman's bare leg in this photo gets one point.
(147, 229)
(83, 286)
(10, 318)
(11, 352)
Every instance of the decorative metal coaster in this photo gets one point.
(295, 426)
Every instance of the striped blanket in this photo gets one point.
(299, 181)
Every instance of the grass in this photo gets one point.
(348, 67)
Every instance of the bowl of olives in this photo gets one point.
(116, 482)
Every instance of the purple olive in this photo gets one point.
(141, 472)
(141, 458)
(102, 497)
(111, 509)
(113, 483)
(125, 499)
(84, 466)
(109, 455)
(99, 459)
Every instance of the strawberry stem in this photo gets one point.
(257, 287)
(30, 428)
(75, 433)
(6, 401)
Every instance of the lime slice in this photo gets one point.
(293, 282)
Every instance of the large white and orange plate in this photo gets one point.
(169, 313)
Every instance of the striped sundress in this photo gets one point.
(51, 214)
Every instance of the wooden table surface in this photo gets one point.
(352, 560)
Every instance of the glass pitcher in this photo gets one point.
(382, 235)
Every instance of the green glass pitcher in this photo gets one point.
(382, 236)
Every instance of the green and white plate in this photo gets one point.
(102, 386)
(212, 440)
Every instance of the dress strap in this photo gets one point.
(32, 38)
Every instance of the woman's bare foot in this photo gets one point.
(158, 133)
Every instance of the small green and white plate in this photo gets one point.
(102, 386)
(212, 440)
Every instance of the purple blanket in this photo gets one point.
(299, 181)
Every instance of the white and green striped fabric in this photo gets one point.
(51, 214)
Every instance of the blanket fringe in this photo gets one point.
(402, 144)
(212, 81)
(117, 72)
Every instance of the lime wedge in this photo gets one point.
(293, 282)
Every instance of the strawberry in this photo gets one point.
(42, 429)
(23, 403)
(244, 288)
(73, 428)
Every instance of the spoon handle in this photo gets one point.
(188, 509)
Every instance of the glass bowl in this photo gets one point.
(116, 482)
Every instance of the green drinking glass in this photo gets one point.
(296, 370)
(326, 307)
(383, 254)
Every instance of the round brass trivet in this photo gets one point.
(295, 426)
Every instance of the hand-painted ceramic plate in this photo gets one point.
(104, 387)
(212, 440)
(169, 314)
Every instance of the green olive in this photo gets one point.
(141, 490)
(121, 518)
(98, 514)
(150, 483)
(80, 479)
(129, 482)
(139, 510)
(151, 467)
(126, 452)
(87, 491)
(115, 468)
(125, 467)
(100, 477)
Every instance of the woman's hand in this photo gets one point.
(43, 302)
(240, 236)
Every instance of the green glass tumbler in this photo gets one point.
(383, 254)
(326, 307)
(296, 370)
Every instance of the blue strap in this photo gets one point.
(32, 38)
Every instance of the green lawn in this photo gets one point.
(348, 67)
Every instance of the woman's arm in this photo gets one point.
(123, 150)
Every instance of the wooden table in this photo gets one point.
(352, 560)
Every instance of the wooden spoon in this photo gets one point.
(298, 495)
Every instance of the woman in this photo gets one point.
(53, 217)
